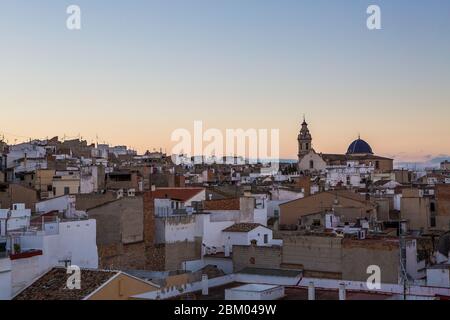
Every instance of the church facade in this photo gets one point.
(359, 153)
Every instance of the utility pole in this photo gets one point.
(404, 273)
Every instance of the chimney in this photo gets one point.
(205, 285)
(342, 291)
(311, 291)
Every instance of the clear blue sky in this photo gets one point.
(149, 67)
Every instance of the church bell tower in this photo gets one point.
(304, 140)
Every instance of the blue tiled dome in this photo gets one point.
(359, 146)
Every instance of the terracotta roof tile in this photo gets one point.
(182, 194)
(53, 285)
(222, 204)
(242, 227)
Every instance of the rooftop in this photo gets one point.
(182, 194)
(301, 293)
(242, 227)
(222, 204)
(255, 287)
(272, 272)
(53, 285)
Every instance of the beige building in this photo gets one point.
(43, 182)
(324, 256)
(415, 209)
(442, 196)
(120, 233)
(350, 206)
(16, 193)
(65, 183)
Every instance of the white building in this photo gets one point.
(255, 292)
(65, 205)
(89, 179)
(33, 248)
(439, 276)
(16, 219)
(245, 233)
(351, 175)
(24, 150)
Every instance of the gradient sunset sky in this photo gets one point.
(140, 69)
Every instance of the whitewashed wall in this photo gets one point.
(5, 279)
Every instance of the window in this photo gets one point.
(276, 213)
(311, 164)
(66, 190)
(307, 146)
(266, 238)
(432, 207)
(377, 164)
(433, 222)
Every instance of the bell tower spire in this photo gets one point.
(304, 140)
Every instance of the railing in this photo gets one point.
(49, 225)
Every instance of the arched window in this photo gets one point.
(311, 164)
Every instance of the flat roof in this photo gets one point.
(440, 266)
(253, 287)
(272, 272)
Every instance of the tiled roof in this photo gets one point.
(53, 285)
(182, 194)
(242, 227)
(222, 204)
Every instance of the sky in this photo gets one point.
(140, 69)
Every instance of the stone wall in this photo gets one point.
(88, 201)
(259, 257)
(358, 255)
(313, 253)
